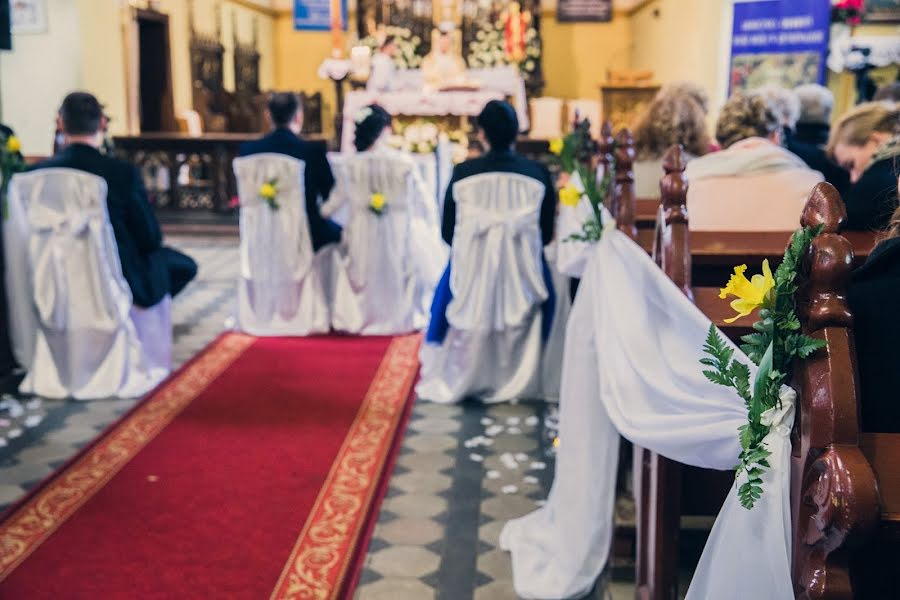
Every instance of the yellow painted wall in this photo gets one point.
(103, 57)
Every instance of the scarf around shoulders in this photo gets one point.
(751, 156)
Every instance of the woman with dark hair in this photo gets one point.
(494, 305)
(391, 254)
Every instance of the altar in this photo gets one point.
(410, 97)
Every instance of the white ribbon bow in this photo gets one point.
(780, 419)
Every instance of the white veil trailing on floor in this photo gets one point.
(631, 368)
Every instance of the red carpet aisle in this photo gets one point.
(252, 473)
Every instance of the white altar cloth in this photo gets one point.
(631, 368)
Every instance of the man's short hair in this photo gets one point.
(500, 125)
(282, 108)
(81, 114)
(816, 102)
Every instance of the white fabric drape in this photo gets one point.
(69, 300)
(493, 347)
(282, 284)
(571, 256)
(631, 367)
(387, 265)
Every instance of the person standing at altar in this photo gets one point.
(287, 120)
(151, 269)
(381, 77)
(443, 67)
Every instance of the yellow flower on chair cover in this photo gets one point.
(13, 144)
(267, 191)
(377, 202)
(569, 195)
(750, 294)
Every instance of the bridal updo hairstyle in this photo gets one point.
(370, 127)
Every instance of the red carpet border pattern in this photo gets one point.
(35, 521)
(319, 560)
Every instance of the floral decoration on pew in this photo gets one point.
(773, 346)
(269, 193)
(573, 155)
(377, 203)
(11, 162)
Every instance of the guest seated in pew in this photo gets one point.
(287, 121)
(674, 117)
(809, 136)
(876, 328)
(754, 184)
(866, 142)
(493, 307)
(151, 269)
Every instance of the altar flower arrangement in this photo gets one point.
(269, 193)
(421, 136)
(773, 347)
(11, 162)
(409, 54)
(377, 203)
(488, 49)
(847, 11)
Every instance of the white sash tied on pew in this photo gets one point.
(282, 283)
(387, 265)
(631, 368)
(501, 290)
(84, 343)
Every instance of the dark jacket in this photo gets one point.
(504, 162)
(134, 224)
(318, 179)
(873, 295)
(872, 200)
(808, 142)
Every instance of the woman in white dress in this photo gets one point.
(391, 254)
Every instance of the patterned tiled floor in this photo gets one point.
(462, 471)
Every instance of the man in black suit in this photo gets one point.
(287, 120)
(151, 269)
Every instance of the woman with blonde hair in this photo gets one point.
(754, 184)
(676, 116)
(866, 142)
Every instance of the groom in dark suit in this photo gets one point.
(151, 269)
(287, 120)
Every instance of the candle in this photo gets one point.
(337, 34)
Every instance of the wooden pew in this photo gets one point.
(845, 485)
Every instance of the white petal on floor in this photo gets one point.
(476, 457)
(494, 430)
(530, 479)
(33, 420)
(509, 489)
(521, 457)
(538, 466)
(509, 461)
(532, 421)
(492, 474)
(487, 421)
(513, 431)
(33, 404)
(513, 421)
(13, 433)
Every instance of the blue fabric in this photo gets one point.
(438, 326)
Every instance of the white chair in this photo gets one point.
(282, 285)
(493, 347)
(546, 118)
(76, 330)
(387, 265)
(586, 109)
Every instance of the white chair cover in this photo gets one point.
(82, 342)
(546, 117)
(551, 362)
(571, 256)
(387, 266)
(631, 367)
(282, 285)
(493, 347)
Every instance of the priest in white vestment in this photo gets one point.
(381, 77)
(442, 66)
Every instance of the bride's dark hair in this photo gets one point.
(369, 126)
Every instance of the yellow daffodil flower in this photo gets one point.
(556, 146)
(377, 202)
(750, 294)
(268, 191)
(569, 195)
(13, 144)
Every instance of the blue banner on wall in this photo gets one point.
(781, 42)
(315, 15)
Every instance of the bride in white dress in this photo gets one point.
(391, 254)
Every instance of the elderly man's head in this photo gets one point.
(816, 103)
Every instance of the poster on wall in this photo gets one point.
(28, 16)
(780, 42)
(579, 11)
(315, 15)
